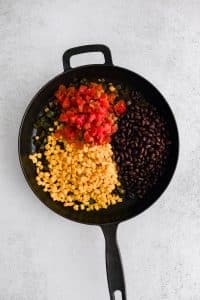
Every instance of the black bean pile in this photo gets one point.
(141, 147)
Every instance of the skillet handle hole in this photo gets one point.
(87, 59)
(117, 295)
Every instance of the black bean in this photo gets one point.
(129, 131)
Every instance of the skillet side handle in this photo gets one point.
(84, 49)
(114, 268)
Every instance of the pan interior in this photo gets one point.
(128, 208)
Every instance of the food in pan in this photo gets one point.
(141, 146)
(98, 143)
(83, 178)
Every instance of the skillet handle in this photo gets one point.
(114, 268)
(84, 49)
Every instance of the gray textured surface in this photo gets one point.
(45, 257)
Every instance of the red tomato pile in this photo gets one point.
(88, 113)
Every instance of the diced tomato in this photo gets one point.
(114, 128)
(93, 92)
(111, 97)
(99, 87)
(73, 119)
(100, 131)
(70, 133)
(120, 107)
(66, 103)
(91, 117)
(105, 139)
(104, 102)
(87, 125)
(63, 117)
(103, 96)
(79, 100)
(61, 92)
(87, 137)
(71, 91)
(80, 121)
(93, 131)
(88, 98)
(102, 111)
(82, 88)
(99, 119)
(108, 128)
(58, 134)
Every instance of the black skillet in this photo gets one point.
(107, 219)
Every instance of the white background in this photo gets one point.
(45, 257)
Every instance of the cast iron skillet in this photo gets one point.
(107, 219)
